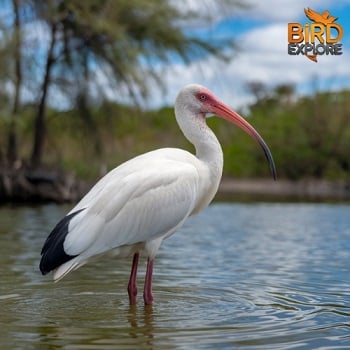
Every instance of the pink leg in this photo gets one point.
(147, 292)
(132, 286)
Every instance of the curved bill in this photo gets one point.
(227, 113)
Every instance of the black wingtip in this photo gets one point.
(42, 267)
(53, 253)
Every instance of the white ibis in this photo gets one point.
(146, 199)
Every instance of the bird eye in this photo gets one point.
(202, 97)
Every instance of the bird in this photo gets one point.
(143, 201)
(316, 17)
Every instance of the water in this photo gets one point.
(237, 276)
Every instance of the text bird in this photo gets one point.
(133, 208)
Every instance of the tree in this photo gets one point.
(11, 62)
(82, 47)
(122, 40)
(40, 124)
(12, 152)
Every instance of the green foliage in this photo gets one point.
(308, 137)
(122, 42)
(90, 50)
(108, 45)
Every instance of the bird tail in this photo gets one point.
(67, 267)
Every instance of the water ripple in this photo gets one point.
(252, 276)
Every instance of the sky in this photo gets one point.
(260, 31)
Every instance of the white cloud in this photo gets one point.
(269, 10)
(265, 56)
(283, 11)
(215, 9)
(262, 57)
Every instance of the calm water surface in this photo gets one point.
(237, 276)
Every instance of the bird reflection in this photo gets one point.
(142, 324)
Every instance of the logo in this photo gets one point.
(320, 37)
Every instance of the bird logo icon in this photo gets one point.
(320, 37)
(316, 17)
(323, 18)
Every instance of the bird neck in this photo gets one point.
(196, 130)
(208, 148)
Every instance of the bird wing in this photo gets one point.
(140, 201)
(325, 14)
(313, 15)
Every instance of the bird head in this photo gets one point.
(203, 102)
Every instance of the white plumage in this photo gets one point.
(144, 200)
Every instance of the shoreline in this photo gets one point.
(284, 190)
(26, 186)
